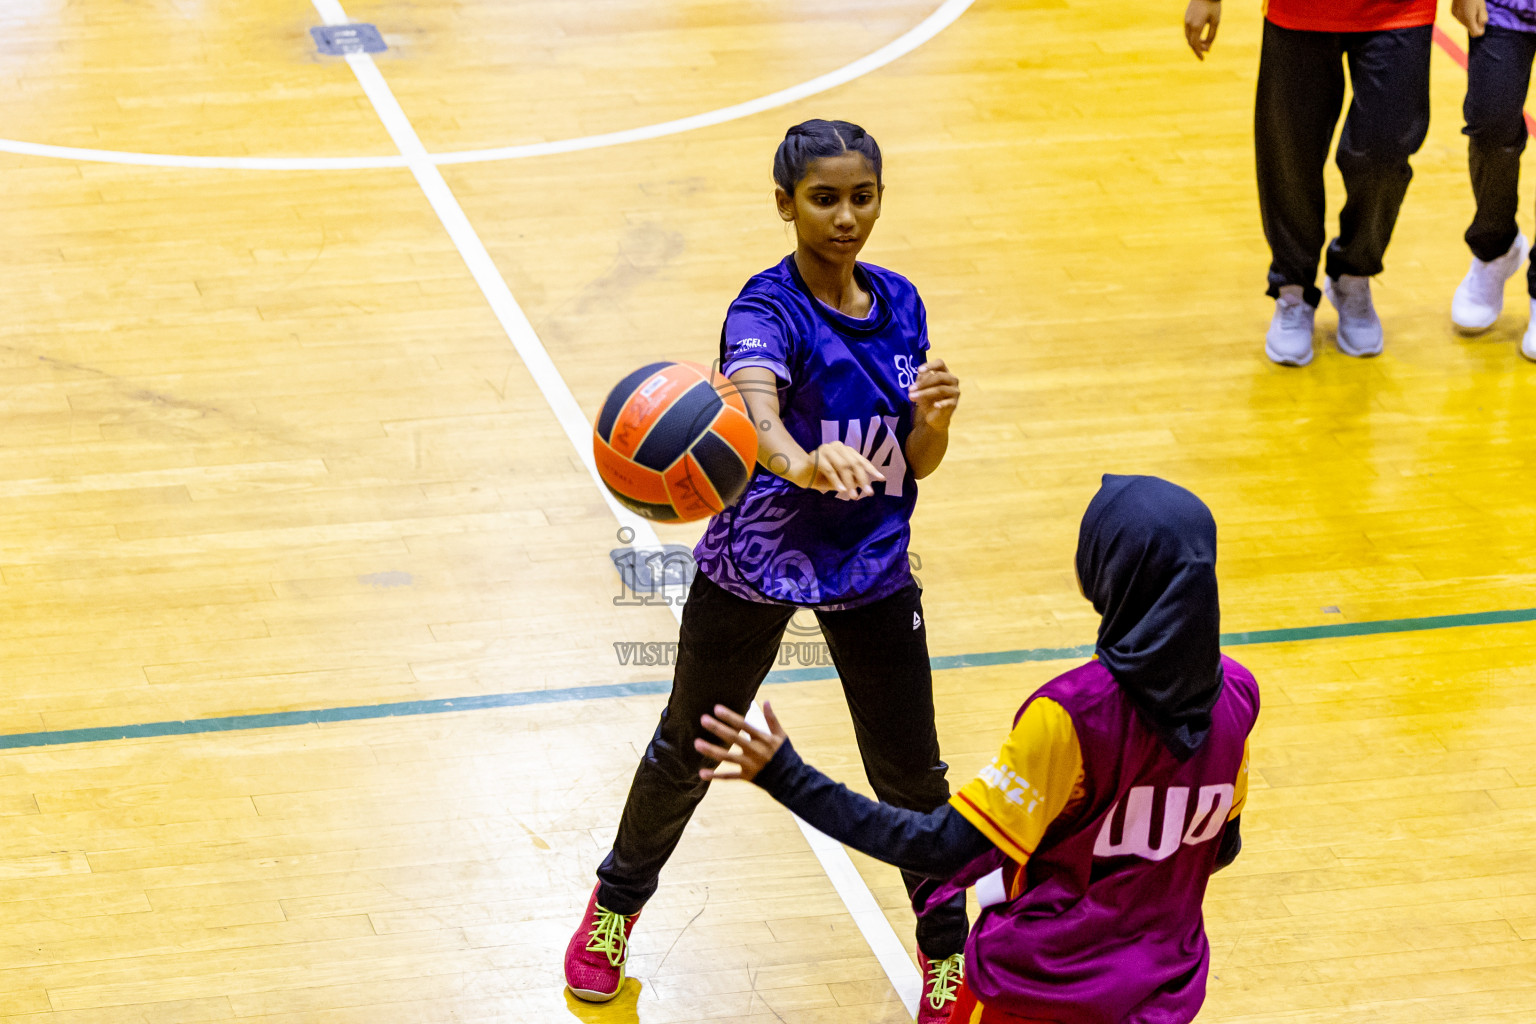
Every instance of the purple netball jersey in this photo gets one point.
(839, 379)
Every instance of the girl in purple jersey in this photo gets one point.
(1090, 837)
(830, 354)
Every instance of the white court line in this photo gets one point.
(916, 36)
(944, 16)
(207, 163)
(513, 321)
(845, 878)
(866, 913)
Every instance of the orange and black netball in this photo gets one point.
(674, 443)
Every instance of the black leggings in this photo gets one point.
(726, 647)
(1498, 75)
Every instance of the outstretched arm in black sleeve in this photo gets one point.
(937, 844)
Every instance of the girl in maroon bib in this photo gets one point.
(1091, 836)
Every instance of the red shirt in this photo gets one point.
(1350, 15)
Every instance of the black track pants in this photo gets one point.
(726, 647)
(1301, 92)
(1498, 75)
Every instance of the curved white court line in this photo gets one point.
(938, 21)
(944, 16)
(217, 163)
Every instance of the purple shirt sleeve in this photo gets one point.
(757, 335)
(1515, 15)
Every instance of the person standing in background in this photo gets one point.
(1501, 45)
(1386, 45)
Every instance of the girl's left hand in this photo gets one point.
(1471, 13)
(1201, 20)
(936, 393)
(757, 747)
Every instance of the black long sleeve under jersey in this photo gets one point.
(936, 844)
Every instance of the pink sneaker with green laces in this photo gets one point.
(594, 961)
(941, 987)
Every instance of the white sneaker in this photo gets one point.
(1359, 331)
(1479, 299)
(1528, 343)
(1289, 340)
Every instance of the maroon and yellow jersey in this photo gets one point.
(1036, 777)
(1115, 838)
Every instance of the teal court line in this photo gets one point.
(317, 716)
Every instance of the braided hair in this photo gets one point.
(812, 140)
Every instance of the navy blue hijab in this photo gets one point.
(1146, 556)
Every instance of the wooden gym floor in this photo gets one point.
(270, 450)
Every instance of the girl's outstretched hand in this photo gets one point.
(757, 747)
